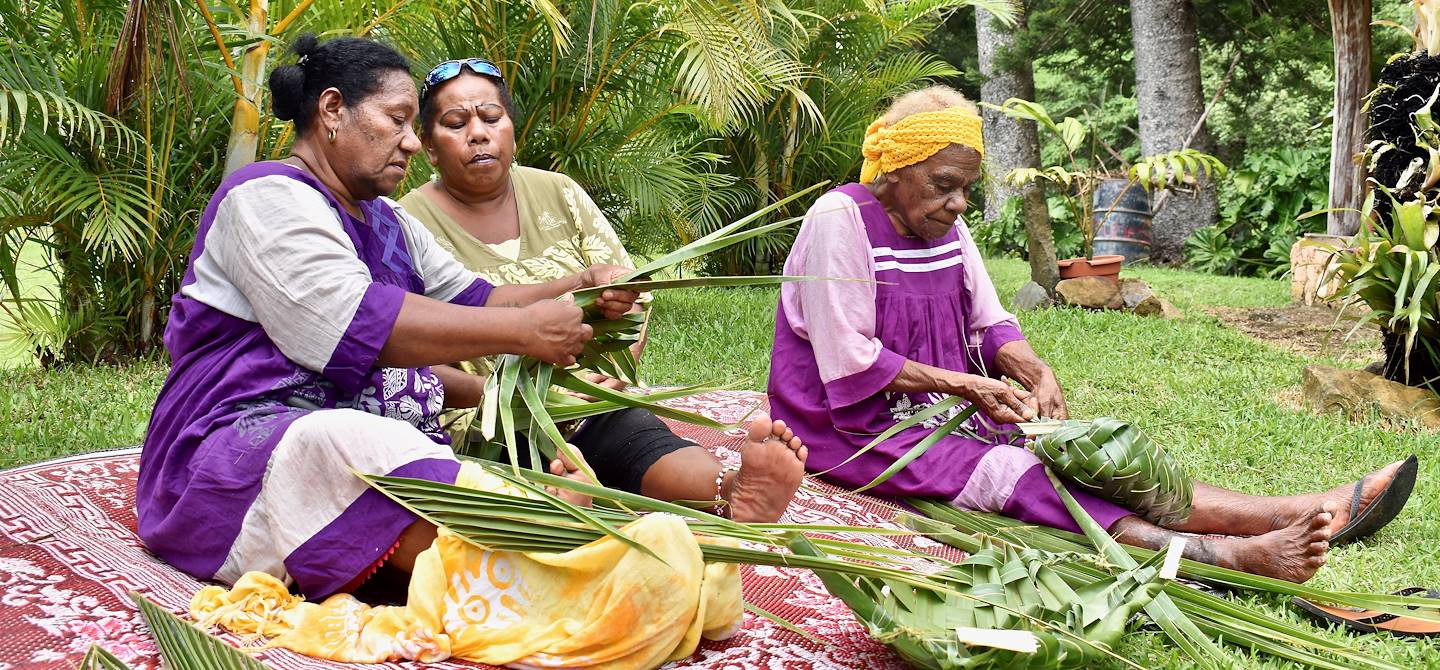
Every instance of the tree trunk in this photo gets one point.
(1350, 26)
(1171, 104)
(1011, 144)
(245, 122)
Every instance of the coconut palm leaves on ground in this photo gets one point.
(1114, 460)
(981, 629)
(915, 610)
(182, 645)
(1219, 618)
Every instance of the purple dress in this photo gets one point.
(839, 344)
(275, 392)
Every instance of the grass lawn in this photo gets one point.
(1222, 402)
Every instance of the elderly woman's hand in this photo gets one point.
(559, 335)
(613, 303)
(999, 400)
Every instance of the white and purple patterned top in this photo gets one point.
(286, 304)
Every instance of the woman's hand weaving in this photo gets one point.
(613, 303)
(559, 334)
(999, 400)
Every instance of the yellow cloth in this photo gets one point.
(917, 137)
(602, 605)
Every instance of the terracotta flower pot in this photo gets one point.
(1107, 267)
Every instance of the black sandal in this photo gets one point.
(1383, 509)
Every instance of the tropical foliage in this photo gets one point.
(111, 125)
(677, 117)
(1391, 267)
(1083, 167)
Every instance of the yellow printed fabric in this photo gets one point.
(602, 605)
(917, 137)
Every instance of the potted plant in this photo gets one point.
(1083, 170)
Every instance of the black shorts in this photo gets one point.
(621, 446)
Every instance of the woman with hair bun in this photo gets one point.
(301, 340)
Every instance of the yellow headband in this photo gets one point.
(917, 137)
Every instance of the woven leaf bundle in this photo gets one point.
(996, 590)
(1114, 460)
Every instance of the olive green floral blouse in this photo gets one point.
(561, 232)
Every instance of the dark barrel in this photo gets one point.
(1122, 220)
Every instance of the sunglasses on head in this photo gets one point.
(451, 68)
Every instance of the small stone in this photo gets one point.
(1170, 312)
(1358, 393)
(1150, 306)
(1135, 291)
(1031, 296)
(1090, 293)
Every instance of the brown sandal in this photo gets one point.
(1371, 621)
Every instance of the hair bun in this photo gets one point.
(305, 45)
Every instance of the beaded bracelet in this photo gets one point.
(722, 506)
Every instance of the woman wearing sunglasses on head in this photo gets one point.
(519, 225)
(300, 341)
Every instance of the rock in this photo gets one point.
(1134, 292)
(1090, 292)
(1357, 392)
(1031, 296)
(1309, 257)
(1170, 312)
(1150, 306)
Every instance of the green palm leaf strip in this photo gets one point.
(917, 419)
(1218, 617)
(1162, 610)
(183, 646)
(948, 428)
(96, 658)
(1115, 461)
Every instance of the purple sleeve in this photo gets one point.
(997, 336)
(359, 348)
(474, 295)
(867, 383)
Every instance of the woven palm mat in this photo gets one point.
(69, 557)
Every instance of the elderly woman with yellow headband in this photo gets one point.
(853, 358)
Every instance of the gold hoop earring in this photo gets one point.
(331, 136)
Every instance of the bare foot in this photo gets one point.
(772, 463)
(1292, 553)
(1301, 507)
(562, 467)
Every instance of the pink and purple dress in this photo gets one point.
(275, 394)
(839, 344)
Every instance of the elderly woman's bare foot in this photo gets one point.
(1291, 509)
(772, 463)
(1292, 553)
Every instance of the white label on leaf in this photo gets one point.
(1171, 566)
(1014, 640)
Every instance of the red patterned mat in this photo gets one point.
(69, 557)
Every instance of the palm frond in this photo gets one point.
(183, 646)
